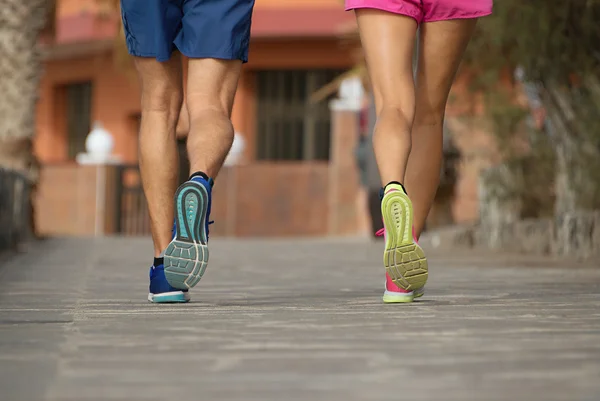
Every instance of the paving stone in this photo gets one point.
(295, 319)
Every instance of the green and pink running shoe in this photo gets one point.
(404, 260)
(394, 294)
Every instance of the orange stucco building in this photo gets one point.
(82, 78)
(295, 49)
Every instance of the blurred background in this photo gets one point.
(522, 144)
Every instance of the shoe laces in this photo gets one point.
(380, 232)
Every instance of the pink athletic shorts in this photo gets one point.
(428, 10)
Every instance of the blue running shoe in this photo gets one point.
(186, 256)
(161, 291)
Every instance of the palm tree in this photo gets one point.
(21, 25)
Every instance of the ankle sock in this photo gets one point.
(199, 174)
(397, 183)
(203, 175)
(158, 261)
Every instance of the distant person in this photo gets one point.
(363, 154)
(409, 130)
(214, 35)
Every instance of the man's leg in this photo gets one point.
(441, 47)
(183, 124)
(150, 29)
(162, 90)
(162, 95)
(211, 90)
(223, 29)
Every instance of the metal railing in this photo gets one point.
(15, 209)
(131, 217)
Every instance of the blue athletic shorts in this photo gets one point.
(197, 28)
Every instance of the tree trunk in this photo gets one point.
(577, 156)
(21, 23)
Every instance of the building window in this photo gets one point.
(79, 115)
(288, 127)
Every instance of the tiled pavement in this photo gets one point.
(295, 320)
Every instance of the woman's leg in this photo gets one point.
(388, 42)
(441, 47)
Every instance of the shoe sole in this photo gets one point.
(390, 297)
(174, 297)
(186, 256)
(404, 260)
(398, 298)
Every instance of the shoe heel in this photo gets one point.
(185, 263)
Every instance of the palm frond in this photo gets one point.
(330, 88)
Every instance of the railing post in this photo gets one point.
(14, 209)
(119, 199)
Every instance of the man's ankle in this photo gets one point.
(204, 176)
(199, 174)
